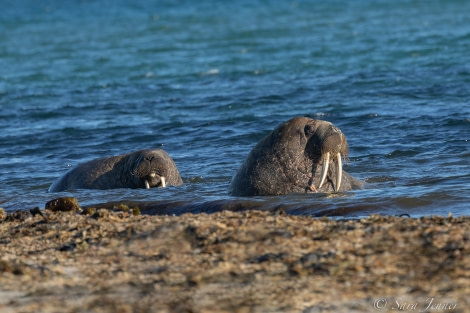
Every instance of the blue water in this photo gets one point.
(205, 80)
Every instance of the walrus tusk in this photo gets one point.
(162, 181)
(340, 172)
(324, 171)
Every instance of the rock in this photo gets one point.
(64, 204)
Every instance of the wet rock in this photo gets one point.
(64, 204)
(136, 211)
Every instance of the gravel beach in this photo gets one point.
(251, 261)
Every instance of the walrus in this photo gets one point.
(140, 169)
(298, 156)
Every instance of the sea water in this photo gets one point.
(206, 80)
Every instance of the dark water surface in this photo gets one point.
(206, 80)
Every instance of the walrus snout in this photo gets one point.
(333, 146)
(151, 170)
(154, 180)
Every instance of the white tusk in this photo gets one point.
(162, 179)
(324, 171)
(340, 172)
(147, 186)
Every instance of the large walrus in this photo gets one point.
(140, 169)
(300, 155)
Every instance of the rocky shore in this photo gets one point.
(120, 261)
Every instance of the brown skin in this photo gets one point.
(289, 160)
(124, 171)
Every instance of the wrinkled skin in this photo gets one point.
(292, 159)
(140, 169)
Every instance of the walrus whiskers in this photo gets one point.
(138, 172)
(135, 170)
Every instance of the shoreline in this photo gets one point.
(250, 261)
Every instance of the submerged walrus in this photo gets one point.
(140, 169)
(300, 155)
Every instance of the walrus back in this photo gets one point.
(84, 175)
(248, 180)
(58, 185)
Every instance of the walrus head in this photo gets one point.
(152, 168)
(325, 140)
(139, 169)
(300, 155)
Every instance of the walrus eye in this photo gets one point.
(309, 130)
